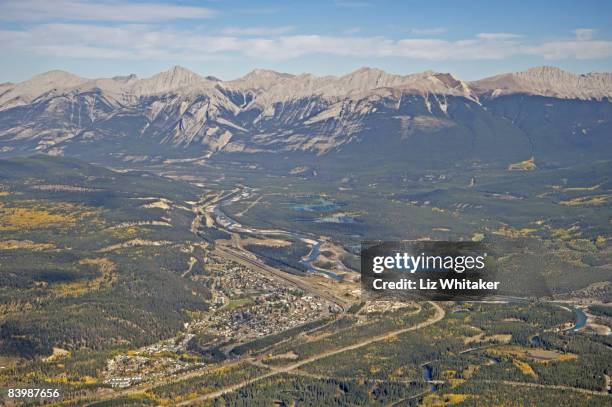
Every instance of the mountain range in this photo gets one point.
(544, 112)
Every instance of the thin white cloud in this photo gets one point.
(583, 34)
(580, 49)
(429, 31)
(352, 30)
(142, 41)
(583, 46)
(86, 10)
(256, 31)
(498, 36)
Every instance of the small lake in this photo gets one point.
(319, 205)
(428, 376)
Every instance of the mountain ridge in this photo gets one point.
(550, 81)
(542, 81)
(271, 112)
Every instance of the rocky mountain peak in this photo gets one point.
(125, 78)
(548, 81)
(29, 90)
(55, 77)
(548, 74)
(264, 110)
(545, 70)
(261, 79)
(447, 79)
(367, 71)
(174, 78)
(369, 78)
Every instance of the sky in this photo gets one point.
(470, 39)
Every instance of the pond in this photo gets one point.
(428, 376)
(319, 205)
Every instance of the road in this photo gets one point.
(438, 316)
(547, 386)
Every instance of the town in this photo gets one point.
(245, 304)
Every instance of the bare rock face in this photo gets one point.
(25, 92)
(264, 111)
(548, 81)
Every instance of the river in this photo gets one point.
(230, 224)
(581, 319)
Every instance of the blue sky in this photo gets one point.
(471, 39)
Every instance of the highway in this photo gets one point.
(438, 316)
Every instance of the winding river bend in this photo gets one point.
(581, 319)
(232, 225)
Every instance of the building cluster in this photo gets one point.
(155, 361)
(246, 304)
(249, 304)
(122, 382)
